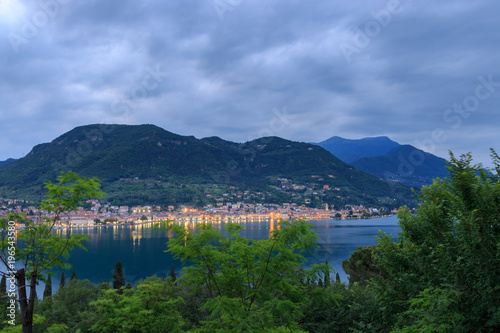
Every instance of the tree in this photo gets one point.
(72, 279)
(337, 278)
(47, 292)
(360, 266)
(42, 249)
(326, 281)
(118, 279)
(248, 284)
(62, 281)
(3, 286)
(71, 307)
(172, 273)
(148, 308)
(447, 253)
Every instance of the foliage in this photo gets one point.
(148, 308)
(360, 265)
(433, 310)
(47, 292)
(37, 249)
(451, 244)
(118, 279)
(248, 285)
(70, 306)
(62, 281)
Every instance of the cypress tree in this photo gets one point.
(128, 286)
(327, 275)
(47, 292)
(62, 283)
(72, 279)
(172, 273)
(3, 285)
(337, 278)
(118, 279)
(320, 283)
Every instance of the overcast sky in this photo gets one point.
(424, 73)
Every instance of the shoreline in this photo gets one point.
(197, 220)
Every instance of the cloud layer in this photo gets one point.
(422, 73)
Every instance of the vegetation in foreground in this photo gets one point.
(442, 274)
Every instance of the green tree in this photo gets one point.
(70, 307)
(72, 279)
(172, 273)
(433, 310)
(450, 244)
(3, 286)
(248, 285)
(147, 308)
(326, 281)
(47, 292)
(62, 281)
(360, 266)
(42, 250)
(118, 279)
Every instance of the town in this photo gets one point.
(97, 213)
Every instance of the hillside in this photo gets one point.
(405, 164)
(351, 150)
(147, 164)
(7, 161)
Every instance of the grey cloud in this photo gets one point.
(225, 77)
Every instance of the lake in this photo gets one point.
(141, 250)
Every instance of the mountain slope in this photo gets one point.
(351, 150)
(149, 164)
(405, 164)
(7, 161)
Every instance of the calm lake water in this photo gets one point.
(141, 250)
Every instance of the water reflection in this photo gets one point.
(142, 250)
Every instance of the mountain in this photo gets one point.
(405, 164)
(352, 150)
(147, 164)
(7, 161)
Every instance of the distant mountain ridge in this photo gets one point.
(7, 161)
(405, 164)
(124, 155)
(351, 150)
(387, 159)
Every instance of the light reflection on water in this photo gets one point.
(141, 249)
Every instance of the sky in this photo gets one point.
(424, 73)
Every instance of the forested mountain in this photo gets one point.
(147, 161)
(7, 161)
(351, 150)
(405, 164)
